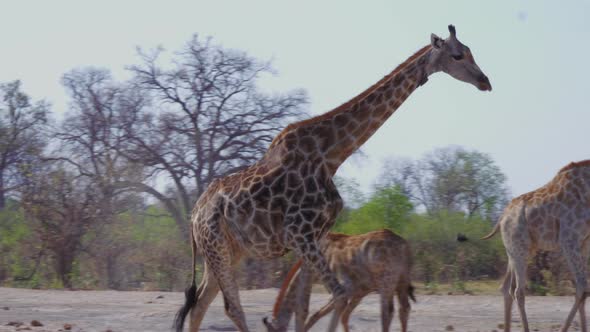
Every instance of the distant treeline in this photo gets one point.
(102, 198)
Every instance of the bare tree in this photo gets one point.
(21, 136)
(91, 143)
(211, 120)
(451, 179)
(61, 208)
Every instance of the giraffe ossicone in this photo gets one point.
(287, 200)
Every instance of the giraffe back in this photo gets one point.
(560, 206)
(365, 261)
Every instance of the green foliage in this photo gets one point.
(15, 247)
(149, 247)
(387, 208)
(438, 256)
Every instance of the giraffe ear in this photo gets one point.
(436, 41)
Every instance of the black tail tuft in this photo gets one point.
(191, 298)
(461, 237)
(411, 292)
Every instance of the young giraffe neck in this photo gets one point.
(343, 130)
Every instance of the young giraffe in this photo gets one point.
(378, 261)
(287, 200)
(553, 217)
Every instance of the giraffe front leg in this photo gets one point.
(312, 256)
(303, 295)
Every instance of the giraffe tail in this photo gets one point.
(191, 294)
(493, 232)
(411, 289)
(284, 286)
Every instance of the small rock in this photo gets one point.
(449, 328)
(35, 322)
(159, 297)
(5, 308)
(67, 326)
(15, 323)
(501, 326)
(24, 328)
(109, 330)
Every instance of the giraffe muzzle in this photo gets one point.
(484, 84)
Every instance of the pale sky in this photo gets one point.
(535, 53)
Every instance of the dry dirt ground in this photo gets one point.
(115, 311)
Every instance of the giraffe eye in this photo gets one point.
(458, 57)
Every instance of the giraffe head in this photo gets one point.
(454, 58)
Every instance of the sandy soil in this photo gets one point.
(153, 311)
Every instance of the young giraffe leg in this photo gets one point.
(206, 293)
(387, 308)
(573, 254)
(404, 306)
(352, 304)
(326, 309)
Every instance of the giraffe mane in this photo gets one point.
(574, 164)
(356, 99)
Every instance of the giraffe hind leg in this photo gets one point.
(387, 308)
(508, 286)
(403, 295)
(520, 289)
(221, 262)
(572, 251)
(352, 304)
(206, 293)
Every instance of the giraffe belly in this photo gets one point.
(265, 247)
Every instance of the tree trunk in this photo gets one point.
(2, 196)
(65, 262)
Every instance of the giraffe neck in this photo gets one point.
(342, 131)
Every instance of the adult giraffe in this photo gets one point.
(555, 217)
(287, 200)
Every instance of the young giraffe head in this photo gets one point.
(454, 58)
